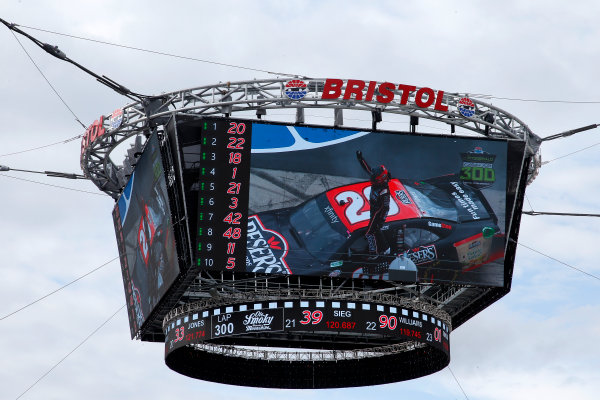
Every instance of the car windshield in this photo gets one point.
(315, 230)
(432, 201)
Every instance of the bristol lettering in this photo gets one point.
(383, 93)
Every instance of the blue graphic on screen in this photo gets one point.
(276, 138)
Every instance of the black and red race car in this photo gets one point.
(441, 227)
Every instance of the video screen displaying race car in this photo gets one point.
(313, 192)
(142, 219)
(427, 234)
(354, 204)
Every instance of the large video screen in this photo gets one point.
(145, 237)
(313, 201)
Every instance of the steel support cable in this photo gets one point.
(55, 186)
(56, 52)
(529, 202)
(164, 53)
(558, 261)
(71, 352)
(563, 214)
(570, 154)
(489, 96)
(48, 82)
(459, 385)
(42, 147)
(59, 289)
(277, 73)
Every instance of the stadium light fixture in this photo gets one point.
(376, 117)
(299, 115)
(488, 117)
(260, 112)
(338, 117)
(414, 121)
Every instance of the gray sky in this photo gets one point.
(537, 342)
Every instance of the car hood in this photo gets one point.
(273, 248)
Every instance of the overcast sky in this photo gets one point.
(540, 341)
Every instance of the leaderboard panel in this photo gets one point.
(272, 198)
(223, 194)
(396, 323)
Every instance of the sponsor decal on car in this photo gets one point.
(137, 305)
(473, 250)
(351, 204)
(464, 200)
(439, 225)
(266, 249)
(422, 254)
(330, 212)
(402, 197)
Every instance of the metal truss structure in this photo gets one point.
(308, 293)
(307, 356)
(452, 303)
(229, 98)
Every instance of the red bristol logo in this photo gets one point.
(466, 107)
(295, 89)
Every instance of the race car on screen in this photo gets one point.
(441, 227)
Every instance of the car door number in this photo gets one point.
(358, 208)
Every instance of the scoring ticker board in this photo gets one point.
(422, 340)
(394, 323)
(223, 194)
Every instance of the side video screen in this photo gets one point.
(312, 201)
(145, 237)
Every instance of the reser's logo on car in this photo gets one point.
(262, 254)
(422, 254)
(274, 244)
(258, 321)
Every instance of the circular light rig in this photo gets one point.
(306, 332)
(230, 98)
